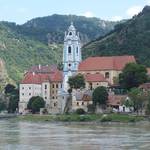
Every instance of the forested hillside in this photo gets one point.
(40, 40)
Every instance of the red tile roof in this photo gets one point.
(116, 100)
(38, 76)
(105, 63)
(43, 69)
(95, 78)
(32, 78)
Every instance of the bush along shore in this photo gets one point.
(97, 118)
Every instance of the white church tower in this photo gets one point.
(71, 54)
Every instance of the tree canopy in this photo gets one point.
(35, 103)
(133, 75)
(77, 81)
(100, 96)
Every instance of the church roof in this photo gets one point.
(105, 63)
(95, 78)
(43, 69)
(44, 74)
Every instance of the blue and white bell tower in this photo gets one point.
(71, 54)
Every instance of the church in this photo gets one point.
(52, 84)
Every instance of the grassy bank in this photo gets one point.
(82, 118)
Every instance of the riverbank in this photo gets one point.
(122, 118)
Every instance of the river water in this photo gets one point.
(50, 136)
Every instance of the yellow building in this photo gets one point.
(103, 71)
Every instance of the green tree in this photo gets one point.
(13, 94)
(133, 75)
(13, 103)
(139, 99)
(77, 81)
(100, 96)
(9, 88)
(35, 103)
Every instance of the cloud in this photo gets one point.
(21, 10)
(147, 2)
(88, 14)
(116, 18)
(134, 10)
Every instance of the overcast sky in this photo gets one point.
(20, 11)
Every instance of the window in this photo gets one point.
(69, 65)
(55, 104)
(22, 93)
(53, 97)
(29, 88)
(22, 88)
(91, 86)
(77, 50)
(69, 49)
(107, 75)
(56, 85)
(82, 103)
(97, 83)
(29, 93)
(53, 86)
(70, 33)
(77, 103)
(45, 97)
(45, 86)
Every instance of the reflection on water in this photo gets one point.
(48, 136)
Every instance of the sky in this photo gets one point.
(20, 11)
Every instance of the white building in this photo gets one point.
(43, 81)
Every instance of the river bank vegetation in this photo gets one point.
(123, 118)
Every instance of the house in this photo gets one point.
(44, 81)
(117, 103)
(108, 68)
(81, 99)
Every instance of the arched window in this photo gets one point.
(70, 33)
(69, 49)
(107, 75)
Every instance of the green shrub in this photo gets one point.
(106, 118)
(80, 111)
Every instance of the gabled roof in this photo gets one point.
(43, 69)
(105, 63)
(95, 78)
(116, 100)
(38, 75)
(32, 78)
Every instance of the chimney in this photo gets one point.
(39, 66)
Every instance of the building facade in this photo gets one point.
(43, 81)
(71, 54)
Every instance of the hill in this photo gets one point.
(131, 37)
(52, 28)
(22, 46)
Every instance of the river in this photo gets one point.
(15, 135)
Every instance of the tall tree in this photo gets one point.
(100, 96)
(133, 75)
(35, 103)
(139, 99)
(77, 81)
